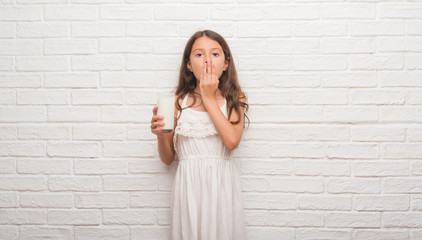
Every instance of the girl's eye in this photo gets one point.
(199, 54)
(215, 54)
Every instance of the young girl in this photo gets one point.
(206, 200)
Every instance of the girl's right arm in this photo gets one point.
(165, 140)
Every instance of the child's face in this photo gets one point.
(205, 49)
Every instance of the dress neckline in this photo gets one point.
(185, 104)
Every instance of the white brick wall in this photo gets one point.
(334, 150)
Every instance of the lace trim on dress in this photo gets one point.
(196, 129)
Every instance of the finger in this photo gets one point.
(204, 71)
(156, 118)
(154, 110)
(209, 69)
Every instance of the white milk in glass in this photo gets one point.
(166, 109)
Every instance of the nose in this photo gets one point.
(207, 59)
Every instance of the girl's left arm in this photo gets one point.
(231, 134)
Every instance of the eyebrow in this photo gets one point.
(203, 49)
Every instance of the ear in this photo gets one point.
(188, 65)
(226, 64)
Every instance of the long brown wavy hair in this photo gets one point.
(229, 84)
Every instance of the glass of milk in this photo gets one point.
(166, 106)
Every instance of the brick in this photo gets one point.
(282, 218)
(9, 232)
(129, 149)
(24, 149)
(402, 185)
(322, 168)
(127, 79)
(12, 13)
(296, 184)
(70, 13)
(103, 166)
(22, 216)
(46, 200)
(263, 29)
(395, 10)
(120, 45)
(38, 97)
(20, 47)
(319, 63)
(237, 13)
(91, 97)
(44, 166)
(126, 114)
(269, 201)
(71, 80)
(101, 200)
(70, 46)
(73, 114)
(400, 78)
(8, 30)
(74, 217)
(267, 166)
(132, 217)
(74, 149)
(152, 62)
(45, 132)
(74, 183)
(377, 62)
(141, 232)
(264, 63)
(7, 165)
(402, 220)
(353, 185)
(414, 97)
(413, 61)
(129, 183)
(101, 232)
(347, 45)
(350, 151)
(377, 28)
(98, 63)
(287, 46)
(352, 114)
(268, 233)
(150, 199)
(320, 97)
(331, 234)
(297, 114)
(41, 64)
(296, 12)
(174, 12)
(386, 97)
(380, 168)
(45, 232)
(9, 200)
(353, 220)
(377, 133)
(362, 234)
(127, 12)
(335, 203)
(381, 203)
(42, 29)
(403, 150)
(348, 11)
(319, 29)
(101, 29)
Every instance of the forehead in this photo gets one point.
(205, 43)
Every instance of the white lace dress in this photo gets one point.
(206, 200)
